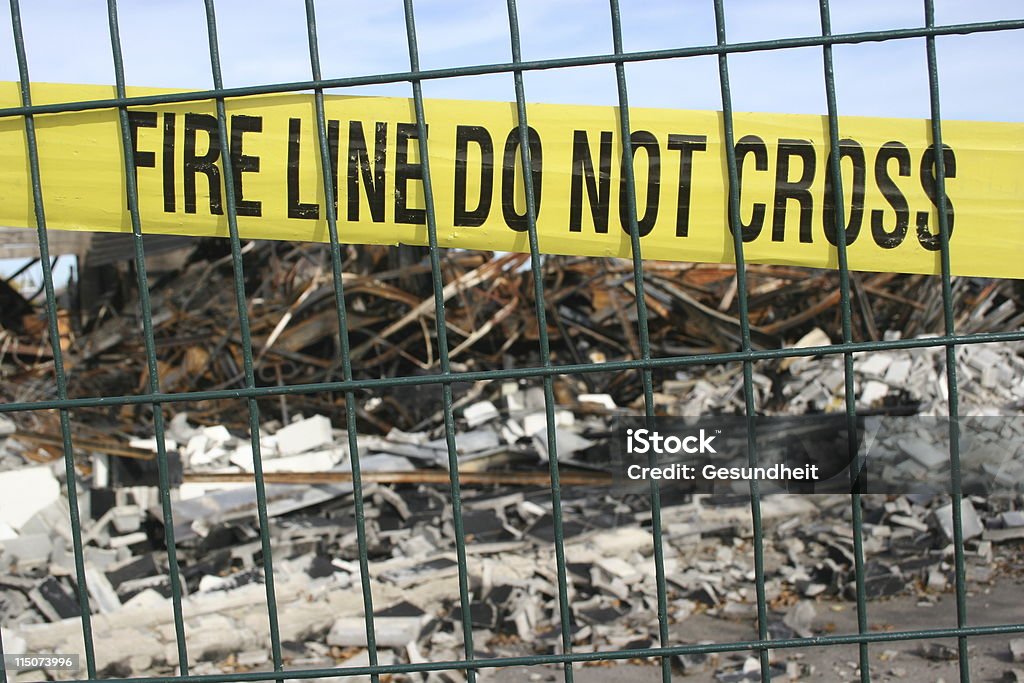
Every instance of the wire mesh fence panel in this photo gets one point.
(445, 377)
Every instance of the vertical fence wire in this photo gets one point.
(146, 313)
(959, 561)
(846, 313)
(343, 339)
(544, 342)
(58, 355)
(642, 329)
(742, 301)
(442, 341)
(246, 337)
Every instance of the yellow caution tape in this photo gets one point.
(679, 161)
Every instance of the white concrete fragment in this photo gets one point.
(25, 492)
(101, 470)
(816, 337)
(567, 442)
(101, 591)
(898, 372)
(537, 422)
(603, 400)
(27, 550)
(1012, 518)
(149, 444)
(147, 599)
(873, 392)
(923, 452)
(909, 522)
(217, 434)
(316, 461)
(179, 429)
(479, 413)
(304, 435)
(617, 568)
(127, 539)
(971, 523)
(1017, 649)
(801, 618)
(126, 518)
(936, 580)
(875, 365)
(396, 632)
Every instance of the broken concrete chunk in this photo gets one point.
(603, 400)
(150, 444)
(479, 413)
(1012, 518)
(617, 568)
(875, 365)
(873, 392)
(25, 492)
(1017, 649)
(567, 443)
(304, 435)
(101, 591)
(801, 618)
(971, 523)
(27, 551)
(396, 632)
(924, 453)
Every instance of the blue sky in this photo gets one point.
(263, 41)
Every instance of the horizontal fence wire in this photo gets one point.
(646, 364)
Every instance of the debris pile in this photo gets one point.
(507, 512)
(610, 580)
(292, 313)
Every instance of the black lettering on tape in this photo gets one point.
(518, 221)
(136, 120)
(359, 165)
(890, 238)
(645, 140)
(799, 190)
(848, 149)
(333, 145)
(464, 217)
(749, 144)
(404, 172)
(244, 163)
(168, 163)
(929, 240)
(297, 208)
(686, 145)
(205, 164)
(598, 189)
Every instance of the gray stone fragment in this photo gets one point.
(971, 523)
(924, 453)
(801, 619)
(1012, 518)
(396, 632)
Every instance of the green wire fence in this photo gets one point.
(646, 364)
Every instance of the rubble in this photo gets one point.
(502, 451)
(1017, 649)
